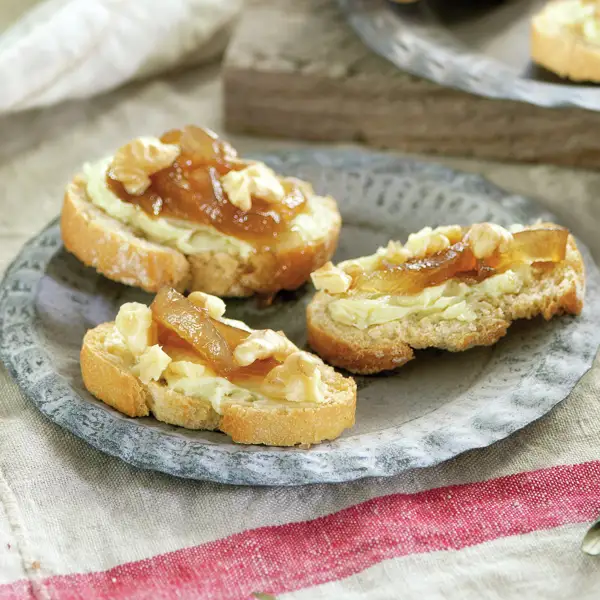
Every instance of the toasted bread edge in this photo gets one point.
(115, 251)
(108, 378)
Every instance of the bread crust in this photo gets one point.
(104, 376)
(350, 353)
(388, 346)
(228, 275)
(118, 253)
(107, 377)
(563, 53)
(101, 242)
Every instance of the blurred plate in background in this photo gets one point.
(480, 47)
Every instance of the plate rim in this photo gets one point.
(380, 28)
(326, 463)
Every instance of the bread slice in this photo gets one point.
(124, 255)
(556, 47)
(391, 345)
(108, 377)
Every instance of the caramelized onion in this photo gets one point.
(183, 325)
(414, 275)
(534, 245)
(204, 146)
(190, 189)
(234, 337)
(174, 312)
(530, 246)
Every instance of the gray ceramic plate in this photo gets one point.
(433, 409)
(479, 46)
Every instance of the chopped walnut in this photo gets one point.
(151, 364)
(331, 279)
(215, 306)
(298, 379)
(134, 323)
(454, 233)
(395, 253)
(262, 344)
(135, 162)
(429, 241)
(256, 180)
(487, 238)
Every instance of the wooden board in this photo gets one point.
(295, 69)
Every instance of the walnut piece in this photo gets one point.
(298, 379)
(256, 180)
(134, 322)
(331, 279)
(151, 364)
(429, 241)
(485, 238)
(395, 253)
(262, 344)
(215, 306)
(134, 162)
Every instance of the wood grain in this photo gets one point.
(297, 70)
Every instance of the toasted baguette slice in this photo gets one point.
(122, 254)
(548, 292)
(114, 249)
(109, 377)
(558, 48)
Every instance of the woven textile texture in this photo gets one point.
(502, 522)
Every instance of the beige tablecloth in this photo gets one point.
(503, 522)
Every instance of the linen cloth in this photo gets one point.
(501, 522)
(55, 50)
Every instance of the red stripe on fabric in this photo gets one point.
(287, 557)
(20, 590)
